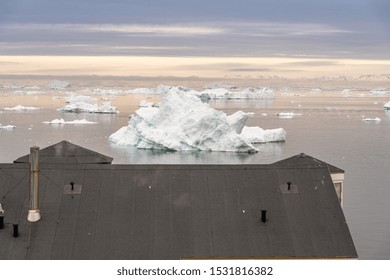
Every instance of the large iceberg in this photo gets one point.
(184, 122)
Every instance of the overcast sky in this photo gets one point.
(331, 28)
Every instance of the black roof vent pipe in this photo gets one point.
(1, 217)
(16, 230)
(263, 216)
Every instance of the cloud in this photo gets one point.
(171, 30)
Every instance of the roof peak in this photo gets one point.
(304, 160)
(67, 152)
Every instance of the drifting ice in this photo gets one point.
(82, 107)
(372, 119)
(58, 85)
(287, 115)
(387, 106)
(21, 108)
(7, 127)
(62, 121)
(183, 122)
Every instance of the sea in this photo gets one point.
(347, 128)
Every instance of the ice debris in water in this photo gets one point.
(184, 122)
(62, 121)
(387, 106)
(58, 85)
(372, 119)
(80, 98)
(7, 127)
(83, 107)
(22, 108)
(287, 115)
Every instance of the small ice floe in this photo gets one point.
(387, 106)
(58, 85)
(82, 107)
(378, 92)
(22, 108)
(315, 90)
(7, 127)
(144, 103)
(62, 121)
(287, 115)
(14, 86)
(373, 120)
(258, 135)
(346, 93)
(80, 98)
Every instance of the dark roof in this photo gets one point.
(303, 160)
(66, 152)
(173, 212)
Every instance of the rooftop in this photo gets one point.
(172, 211)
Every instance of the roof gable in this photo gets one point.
(305, 161)
(66, 152)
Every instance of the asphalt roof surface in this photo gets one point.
(173, 212)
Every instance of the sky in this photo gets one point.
(202, 37)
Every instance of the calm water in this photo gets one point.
(330, 128)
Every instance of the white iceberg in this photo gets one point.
(258, 135)
(144, 103)
(287, 115)
(387, 106)
(7, 127)
(58, 85)
(184, 122)
(378, 92)
(372, 119)
(82, 107)
(80, 98)
(62, 121)
(22, 108)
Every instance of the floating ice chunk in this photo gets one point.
(7, 127)
(378, 92)
(143, 91)
(144, 103)
(80, 98)
(315, 90)
(14, 86)
(287, 115)
(258, 135)
(58, 85)
(82, 107)
(22, 108)
(183, 122)
(387, 106)
(62, 121)
(346, 93)
(372, 119)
